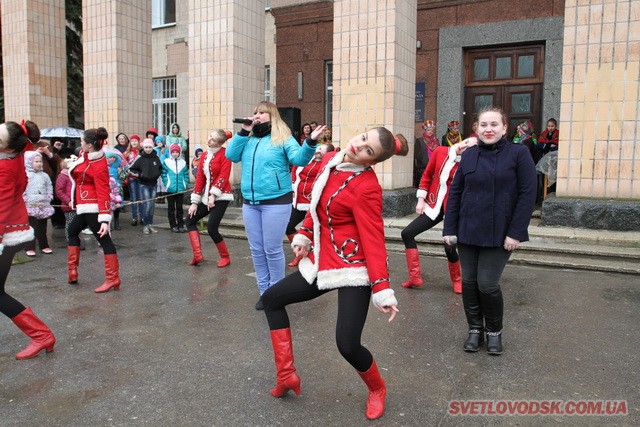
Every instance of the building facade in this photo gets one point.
(354, 64)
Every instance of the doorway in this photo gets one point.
(509, 78)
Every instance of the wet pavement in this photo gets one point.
(181, 345)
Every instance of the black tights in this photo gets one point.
(215, 217)
(296, 218)
(82, 221)
(40, 231)
(9, 306)
(353, 305)
(423, 223)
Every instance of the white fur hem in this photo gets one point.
(343, 277)
(302, 206)
(384, 298)
(225, 197)
(421, 194)
(302, 241)
(104, 218)
(15, 238)
(195, 198)
(87, 208)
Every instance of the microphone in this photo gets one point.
(247, 122)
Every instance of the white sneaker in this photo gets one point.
(153, 230)
(145, 230)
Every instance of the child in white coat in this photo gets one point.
(37, 196)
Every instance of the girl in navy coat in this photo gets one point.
(489, 209)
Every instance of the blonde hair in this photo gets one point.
(280, 132)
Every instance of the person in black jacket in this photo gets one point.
(147, 168)
(489, 209)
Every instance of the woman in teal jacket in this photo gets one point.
(175, 177)
(266, 150)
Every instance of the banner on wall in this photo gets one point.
(420, 91)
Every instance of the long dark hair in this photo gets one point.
(388, 142)
(18, 138)
(95, 137)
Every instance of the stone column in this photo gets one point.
(117, 66)
(599, 155)
(34, 61)
(226, 64)
(374, 72)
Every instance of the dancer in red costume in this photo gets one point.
(211, 196)
(345, 227)
(432, 201)
(303, 178)
(15, 233)
(91, 198)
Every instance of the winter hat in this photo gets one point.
(149, 142)
(175, 147)
(159, 139)
(198, 149)
(428, 124)
(153, 131)
(125, 137)
(28, 159)
(134, 136)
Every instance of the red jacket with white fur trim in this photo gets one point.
(212, 178)
(347, 232)
(90, 190)
(14, 222)
(436, 180)
(303, 178)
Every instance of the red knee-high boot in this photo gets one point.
(224, 254)
(41, 335)
(456, 279)
(297, 259)
(73, 260)
(112, 273)
(286, 377)
(377, 391)
(413, 266)
(196, 247)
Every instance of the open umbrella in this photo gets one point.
(61, 132)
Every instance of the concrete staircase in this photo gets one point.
(556, 247)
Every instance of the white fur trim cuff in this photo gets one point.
(302, 241)
(343, 277)
(15, 238)
(225, 197)
(104, 218)
(384, 298)
(1, 248)
(421, 194)
(87, 208)
(195, 198)
(215, 191)
(303, 206)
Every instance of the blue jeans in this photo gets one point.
(148, 192)
(134, 196)
(265, 226)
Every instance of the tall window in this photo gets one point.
(165, 104)
(163, 13)
(267, 83)
(328, 78)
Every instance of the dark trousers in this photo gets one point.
(421, 224)
(9, 306)
(176, 212)
(296, 218)
(353, 305)
(82, 221)
(215, 217)
(40, 230)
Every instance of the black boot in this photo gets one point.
(471, 303)
(493, 309)
(116, 224)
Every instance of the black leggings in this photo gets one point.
(82, 221)
(9, 306)
(215, 217)
(353, 304)
(296, 218)
(423, 223)
(40, 230)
